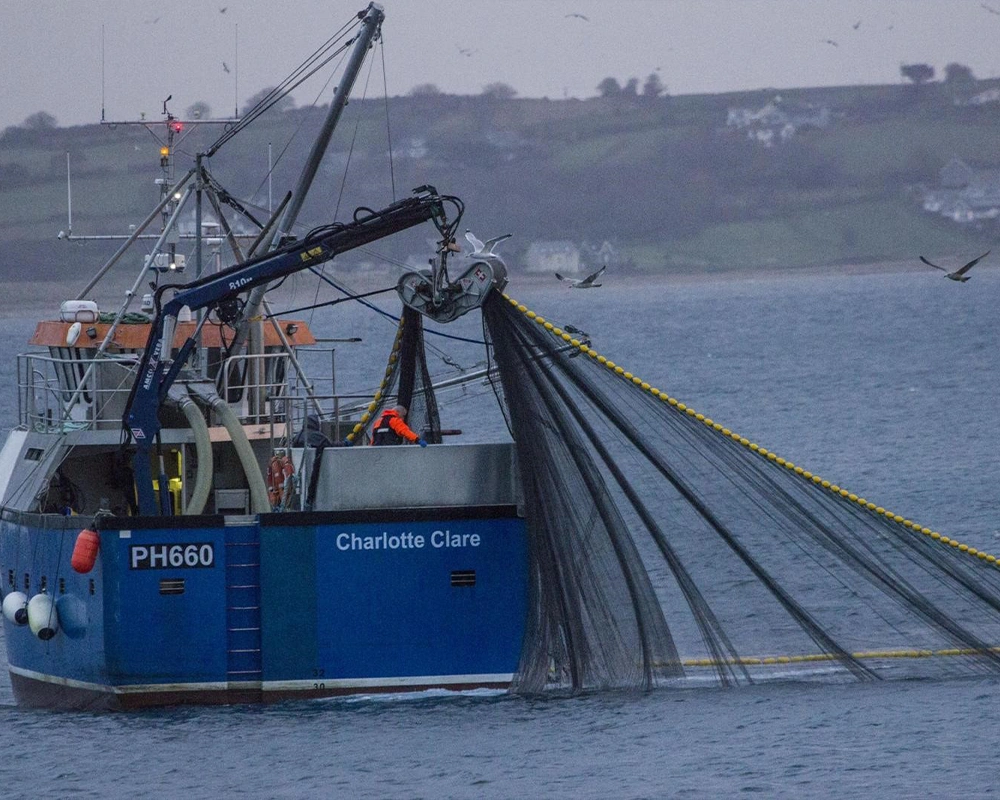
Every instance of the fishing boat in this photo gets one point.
(186, 518)
(188, 515)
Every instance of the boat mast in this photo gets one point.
(371, 24)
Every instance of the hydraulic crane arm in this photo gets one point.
(221, 290)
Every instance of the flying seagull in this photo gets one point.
(989, 8)
(225, 66)
(578, 16)
(958, 274)
(856, 25)
(830, 41)
(585, 283)
(484, 248)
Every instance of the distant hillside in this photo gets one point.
(691, 183)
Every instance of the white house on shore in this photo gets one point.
(777, 121)
(965, 194)
(560, 256)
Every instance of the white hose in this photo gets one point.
(259, 502)
(203, 447)
(205, 392)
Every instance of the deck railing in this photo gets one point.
(55, 393)
(71, 391)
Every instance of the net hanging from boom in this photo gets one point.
(407, 382)
(664, 547)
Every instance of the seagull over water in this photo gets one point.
(584, 283)
(578, 16)
(958, 274)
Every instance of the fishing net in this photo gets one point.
(407, 382)
(665, 548)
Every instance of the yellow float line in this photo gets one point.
(360, 426)
(772, 457)
(812, 657)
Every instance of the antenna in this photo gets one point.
(270, 169)
(236, 75)
(102, 77)
(69, 199)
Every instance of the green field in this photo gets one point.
(663, 179)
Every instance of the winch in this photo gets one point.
(431, 293)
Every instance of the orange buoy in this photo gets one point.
(85, 551)
(279, 471)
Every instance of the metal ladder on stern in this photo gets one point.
(244, 669)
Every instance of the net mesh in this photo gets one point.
(664, 549)
(407, 382)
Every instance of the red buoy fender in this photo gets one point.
(88, 543)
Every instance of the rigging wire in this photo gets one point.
(337, 301)
(225, 197)
(347, 166)
(354, 139)
(313, 63)
(387, 315)
(388, 130)
(302, 120)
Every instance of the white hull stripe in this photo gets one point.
(376, 683)
(273, 686)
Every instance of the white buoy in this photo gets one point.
(15, 608)
(43, 619)
(73, 333)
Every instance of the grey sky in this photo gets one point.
(50, 50)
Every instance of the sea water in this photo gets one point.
(884, 383)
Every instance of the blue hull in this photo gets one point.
(219, 609)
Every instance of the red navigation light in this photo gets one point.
(176, 126)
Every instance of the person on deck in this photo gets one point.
(391, 428)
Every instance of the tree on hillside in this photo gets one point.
(958, 74)
(40, 121)
(424, 90)
(281, 104)
(609, 87)
(199, 110)
(918, 73)
(499, 91)
(653, 87)
(631, 87)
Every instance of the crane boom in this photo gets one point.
(220, 292)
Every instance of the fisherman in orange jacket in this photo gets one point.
(391, 428)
